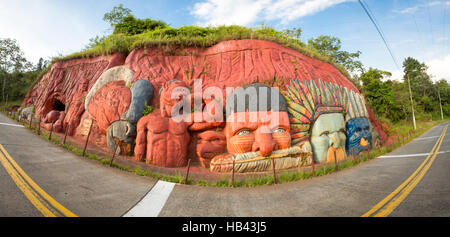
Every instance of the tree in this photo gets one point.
(331, 46)
(293, 33)
(423, 90)
(11, 59)
(133, 26)
(402, 104)
(378, 94)
(42, 64)
(117, 15)
(421, 84)
(444, 90)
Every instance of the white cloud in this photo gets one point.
(407, 10)
(228, 12)
(439, 68)
(414, 9)
(44, 28)
(397, 75)
(441, 39)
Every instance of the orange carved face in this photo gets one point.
(257, 131)
(171, 94)
(211, 143)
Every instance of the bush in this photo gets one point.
(147, 110)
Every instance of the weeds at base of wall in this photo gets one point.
(282, 177)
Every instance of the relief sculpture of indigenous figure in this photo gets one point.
(317, 112)
(257, 128)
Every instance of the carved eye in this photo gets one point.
(279, 130)
(243, 132)
(342, 130)
(326, 133)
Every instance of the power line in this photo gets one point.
(429, 21)
(368, 12)
(372, 18)
(420, 41)
(444, 45)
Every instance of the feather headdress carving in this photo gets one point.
(357, 106)
(308, 100)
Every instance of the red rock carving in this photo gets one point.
(211, 143)
(77, 107)
(64, 82)
(109, 103)
(231, 63)
(55, 117)
(160, 139)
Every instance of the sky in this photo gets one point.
(412, 28)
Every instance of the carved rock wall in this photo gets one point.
(64, 83)
(233, 63)
(230, 63)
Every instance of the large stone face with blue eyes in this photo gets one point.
(358, 135)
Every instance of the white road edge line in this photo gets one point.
(152, 204)
(424, 138)
(409, 155)
(12, 125)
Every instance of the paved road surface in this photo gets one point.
(411, 181)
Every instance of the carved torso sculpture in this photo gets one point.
(161, 140)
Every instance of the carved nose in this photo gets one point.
(264, 142)
(334, 140)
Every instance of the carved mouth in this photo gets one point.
(254, 162)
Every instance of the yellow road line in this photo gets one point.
(32, 196)
(47, 197)
(389, 208)
(408, 185)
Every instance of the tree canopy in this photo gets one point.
(16, 73)
(331, 46)
(117, 15)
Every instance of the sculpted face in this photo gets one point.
(328, 137)
(211, 143)
(171, 88)
(358, 135)
(268, 133)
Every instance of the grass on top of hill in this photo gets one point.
(187, 36)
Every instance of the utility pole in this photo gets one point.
(412, 105)
(440, 104)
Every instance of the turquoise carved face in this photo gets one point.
(328, 137)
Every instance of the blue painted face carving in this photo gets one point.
(356, 129)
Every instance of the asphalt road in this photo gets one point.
(88, 188)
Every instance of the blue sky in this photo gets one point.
(416, 28)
